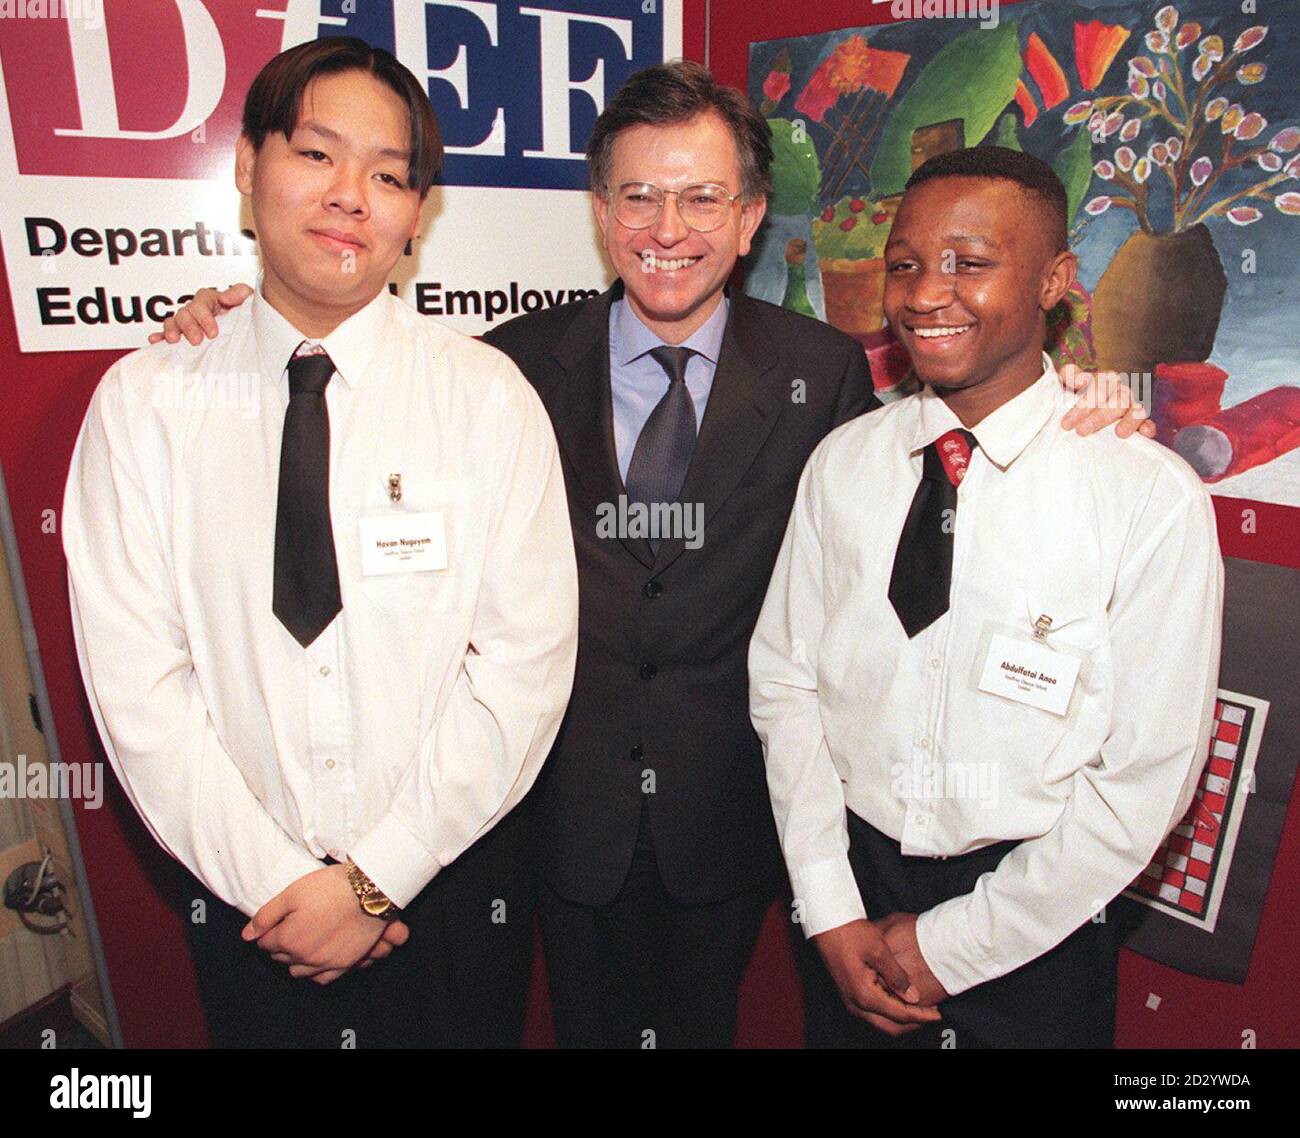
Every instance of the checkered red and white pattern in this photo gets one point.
(1192, 862)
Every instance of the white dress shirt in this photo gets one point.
(423, 712)
(1115, 541)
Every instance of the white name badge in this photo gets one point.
(401, 542)
(1029, 673)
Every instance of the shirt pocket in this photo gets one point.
(1076, 621)
(409, 594)
(1079, 626)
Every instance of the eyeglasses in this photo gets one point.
(704, 207)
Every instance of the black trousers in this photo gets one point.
(1063, 999)
(461, 979)
(645, 970)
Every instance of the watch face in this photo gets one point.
(376, 906)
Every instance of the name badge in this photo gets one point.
(1029, 673)
(401, 542)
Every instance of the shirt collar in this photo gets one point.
(351, 345)
(1002, 434)
(632, 338)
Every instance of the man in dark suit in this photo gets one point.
(654, 831)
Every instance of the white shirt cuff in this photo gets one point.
(395, 860)
(944, 937)
(826, 895)
(296, 862)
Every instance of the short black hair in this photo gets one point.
(1032, 174)
(677, 92)
(275, 98)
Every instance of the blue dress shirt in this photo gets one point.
(638, 382)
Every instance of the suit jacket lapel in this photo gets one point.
(583, 414)
(747, 395)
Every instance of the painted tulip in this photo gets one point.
(1251, 37)
(1244, 215)
(1286, 140)
(1252, 126)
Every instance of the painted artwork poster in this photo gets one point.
(1176, 131)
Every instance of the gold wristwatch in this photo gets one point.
(373, 900)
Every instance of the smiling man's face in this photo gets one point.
(970, 276)
(674, 276)
(331, 204)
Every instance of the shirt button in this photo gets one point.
(324, 669)
(934, 662)
(925, 744)
(648, 671)
(329, 764)
(636, 753)
(653, 589)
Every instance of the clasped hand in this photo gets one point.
(317, 928)
(880, 973)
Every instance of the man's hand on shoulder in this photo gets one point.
(317, 927)
(199, 317)
(868, 976)
(1104, 398)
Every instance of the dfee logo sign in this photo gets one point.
(118, 120)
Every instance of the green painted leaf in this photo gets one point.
(1074, 167)
(796, 172)
(972, 79)
(1008, 136)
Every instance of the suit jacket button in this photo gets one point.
(636, 753)
(653, 589)
(648, 671)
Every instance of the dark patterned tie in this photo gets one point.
(922, 576)
(306, 595)
(663, 449)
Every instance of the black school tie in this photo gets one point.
(922, 576)
(663, 449)
(306, 595)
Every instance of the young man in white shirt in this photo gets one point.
(985, 669)
(328, 632)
